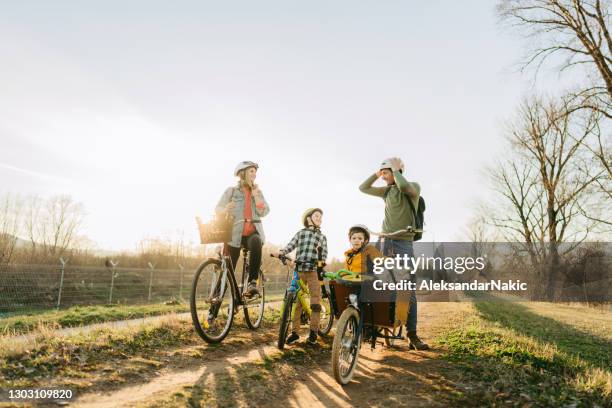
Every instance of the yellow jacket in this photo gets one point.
(357, 261)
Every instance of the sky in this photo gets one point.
(140, 110)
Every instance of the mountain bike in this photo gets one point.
(216, 297)
(298, 292)
(360, 319)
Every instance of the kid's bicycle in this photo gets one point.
(216, 297)
(360, 319)
(298, 292)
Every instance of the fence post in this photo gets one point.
(181, 282)
(152, 267)
(61, 287)
(113, 264)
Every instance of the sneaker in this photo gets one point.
(312, 337)
(252, 289)
(415, 342)
(293, 337)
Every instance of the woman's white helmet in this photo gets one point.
(245, 165)
(386, 164)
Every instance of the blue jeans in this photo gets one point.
(394, 247)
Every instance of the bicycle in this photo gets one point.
(360, 319)
(216, 297)
(298, 292)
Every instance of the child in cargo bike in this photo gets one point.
(360, 257)
(306, 241)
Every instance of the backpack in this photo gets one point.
(419, 214)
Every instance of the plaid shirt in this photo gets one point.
(306, 241)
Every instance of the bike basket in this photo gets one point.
(217, 231)
(379, 314)
(339, 293)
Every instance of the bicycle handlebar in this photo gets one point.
(395, 233)
(283, 258)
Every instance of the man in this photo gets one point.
(398, 215)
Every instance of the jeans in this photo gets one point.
(392, 247)
(253, 244)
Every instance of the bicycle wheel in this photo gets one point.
(254, 307)
(212, 301)
(327, 314)
(345, 350)
(283, 330)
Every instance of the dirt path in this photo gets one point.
(300, 377)
(385, 376)
(169, 380)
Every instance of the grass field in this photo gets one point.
(83, 315)
(533, 354)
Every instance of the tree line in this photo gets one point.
(554, 182)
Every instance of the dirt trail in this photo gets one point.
(385, 377)
(169, 380)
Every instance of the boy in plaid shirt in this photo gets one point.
(306, 241)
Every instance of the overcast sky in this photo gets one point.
(141, 111)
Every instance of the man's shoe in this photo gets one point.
(293, 337)
(312, 337)
(415, 342)
(252, 289)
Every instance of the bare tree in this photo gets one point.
(33, 224)
(10, 219)
(520, 212)
(64, 219)
(578, 32)
(543, 184)
(597, 208)
(52, 225)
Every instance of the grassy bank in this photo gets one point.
(533, 354)
(108, 357)
(82, 315)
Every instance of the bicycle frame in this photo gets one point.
(227, 271)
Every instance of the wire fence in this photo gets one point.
(25, 287)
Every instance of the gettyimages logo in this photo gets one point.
(413, 264)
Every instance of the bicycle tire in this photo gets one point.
(254, 324)
(285, 322)
(196, 305)
(342, 346)
(326, 306)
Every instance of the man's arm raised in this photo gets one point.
(411, 189)
(366, 186)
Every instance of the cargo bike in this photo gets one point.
(362, 320)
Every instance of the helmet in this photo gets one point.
(386, 164)
(245, 165)
(360, 228)
(308, 213)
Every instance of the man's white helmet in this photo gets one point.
(386, 164)
(245, 165)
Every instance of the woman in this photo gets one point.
(247, 204)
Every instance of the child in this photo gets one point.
(307, 240)
(360, 258)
